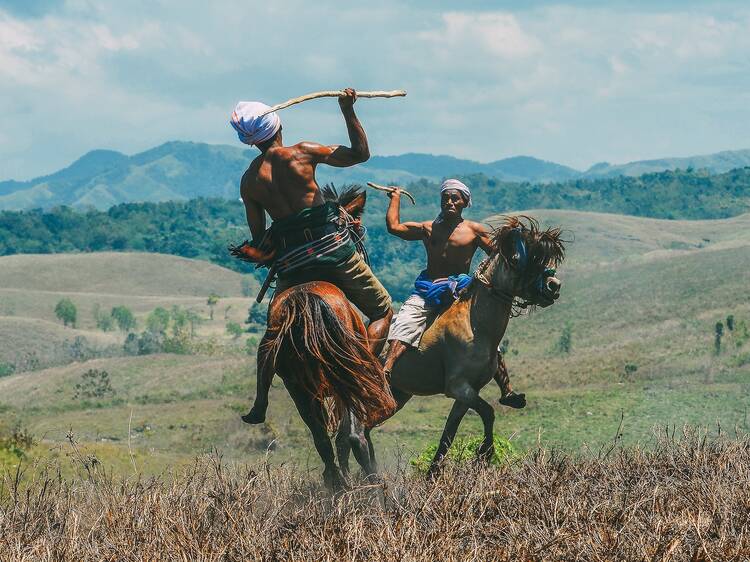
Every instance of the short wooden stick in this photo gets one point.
(391, 190)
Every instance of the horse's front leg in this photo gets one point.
(466, 397)
(264, 374)
(457, 413)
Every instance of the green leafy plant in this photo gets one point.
(465, 450)
(124, 318)
(234, 329)
(94, 383)
(66, 311)
(7, 369)
(565, 342)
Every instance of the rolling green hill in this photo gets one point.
(637, 292)
(715, 163)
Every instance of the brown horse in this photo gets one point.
(317, 343)
(457, 354)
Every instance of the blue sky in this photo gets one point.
(576, 83)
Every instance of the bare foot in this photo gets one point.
(514, 400)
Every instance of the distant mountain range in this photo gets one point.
(185, 170)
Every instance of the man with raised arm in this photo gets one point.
(450, 242)
(281, 182)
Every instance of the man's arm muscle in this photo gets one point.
(404, 230)
(484, 237)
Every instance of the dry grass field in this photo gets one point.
(685, 497)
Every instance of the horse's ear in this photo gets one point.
(356, 206)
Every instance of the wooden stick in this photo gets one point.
(334, 94)
(391, 190)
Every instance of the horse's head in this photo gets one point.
(525, 258)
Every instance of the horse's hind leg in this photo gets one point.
(312, 413)
(360, 446)
(343, 447)
(401, 399)
(351, 438)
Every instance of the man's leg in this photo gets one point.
(395, 351)
(366, 292)
(406, 330)
(377, 330)
(508, 396)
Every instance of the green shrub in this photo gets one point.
(124, 318)
(465, 450)
(234, 329)
(7, 369)
(66, 311)
(94, 384)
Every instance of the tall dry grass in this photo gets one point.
(685, 497)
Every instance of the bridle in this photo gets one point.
(517, 304)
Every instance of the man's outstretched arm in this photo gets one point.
(404, 230)
(484, 238)
(343, 156)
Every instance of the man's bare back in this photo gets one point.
(282, 181)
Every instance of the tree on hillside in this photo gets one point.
(103, 321)
(565, 343)
(157, 321)
(234, 329)
(257, 314)
(212, 301)
(66, 311)
(124, 318)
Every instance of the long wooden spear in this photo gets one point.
(334, 94)
(391, 190)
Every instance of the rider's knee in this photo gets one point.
(385, 314)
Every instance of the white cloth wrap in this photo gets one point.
(410, 324)
(458, 186)
(250, 127)
(411, 321)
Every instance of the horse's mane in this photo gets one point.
(349, 194)
(545, 247)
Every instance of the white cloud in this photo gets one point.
(571, 84)
(499, 34)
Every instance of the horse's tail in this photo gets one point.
(310, 345)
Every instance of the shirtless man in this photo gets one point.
(450, 242)
(281, 182)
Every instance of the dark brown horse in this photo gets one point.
(317, 343)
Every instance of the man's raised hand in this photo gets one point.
(346, 101)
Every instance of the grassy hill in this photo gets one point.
(640, 292)
(31, 286)
(120, 273)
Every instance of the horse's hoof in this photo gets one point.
(514, 400)
(485, 455)
(255, 416)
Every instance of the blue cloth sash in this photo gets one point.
(439, 293)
